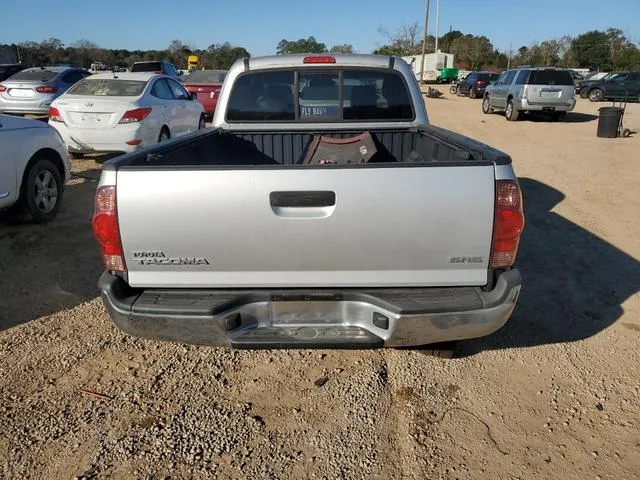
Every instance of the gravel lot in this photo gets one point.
(554, 394)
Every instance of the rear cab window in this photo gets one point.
(550, 77)
(314, 95)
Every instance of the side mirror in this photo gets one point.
(193, 96)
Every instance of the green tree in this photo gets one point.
(223, 55)
(472, 50)
(446, 41)
(591, 50)
(345, 48)
(302, 45)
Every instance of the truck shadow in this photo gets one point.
(51, 267)
(574, 283)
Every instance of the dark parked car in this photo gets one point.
(624, 86)
(9, 70)
(162, 66)
(583, 86)
(475, 83)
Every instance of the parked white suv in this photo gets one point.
(531, 89)
(34, 167)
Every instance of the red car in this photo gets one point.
(206, 84)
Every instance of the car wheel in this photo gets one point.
(486, 105)
(164, 135)
(596, 95)
(453, 89)
(202, 123)
(472, 93)
(584, 93)
(42, 190)
(510, 112)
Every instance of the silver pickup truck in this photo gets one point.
(321, 210)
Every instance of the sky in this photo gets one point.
(258, 25)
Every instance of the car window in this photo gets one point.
(171, 70)
(523, 76)
(179, 93)
(550, 77)
(147, 67)
(161, 90)
(620, 78)
(508, 78)
(41, 75)
(206, 76)
(108, 88)
(72, 77)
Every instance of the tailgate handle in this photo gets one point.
(303, 199)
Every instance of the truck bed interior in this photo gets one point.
(244, 149)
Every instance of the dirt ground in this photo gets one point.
(554, 394)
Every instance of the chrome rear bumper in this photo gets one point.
(304, 318)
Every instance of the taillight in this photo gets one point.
(481, 82)
(46, 89)
(136, 115)
(54, 114)
(106, 229)
(508, 224)
(319, 59)
(3, 88)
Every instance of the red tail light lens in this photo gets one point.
(136, 115)
(508, 224)
(481, 82)
(46, 89)
(319, 59)
(54, 114)
(3, 88)
(106, 229)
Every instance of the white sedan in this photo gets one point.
(121, 112)
(34, 166)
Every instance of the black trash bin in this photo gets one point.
(609, 121)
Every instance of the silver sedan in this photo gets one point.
(31, 91)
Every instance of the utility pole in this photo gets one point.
(509, 61)
(18, 52)
(437, 24)
(424, 42)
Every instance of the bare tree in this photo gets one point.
(405, 41)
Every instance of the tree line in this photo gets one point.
(84, 52)
(597, 50)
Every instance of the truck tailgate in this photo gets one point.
(306, 227)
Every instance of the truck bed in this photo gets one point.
(222, 148)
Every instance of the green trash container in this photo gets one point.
(609, 121)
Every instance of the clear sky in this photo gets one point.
(258, 25)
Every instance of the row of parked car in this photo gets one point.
(544, 89)
(103, 112)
